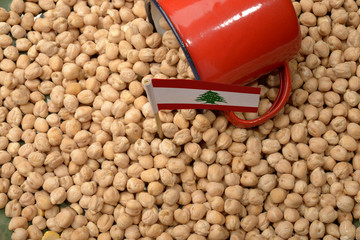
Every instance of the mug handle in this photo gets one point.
(280, 101)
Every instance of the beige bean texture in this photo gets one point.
(80, 155)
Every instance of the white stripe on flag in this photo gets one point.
(189, 96)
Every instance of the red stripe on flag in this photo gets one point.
(195, 84)
(162, 106)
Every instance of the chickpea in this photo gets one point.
(19, 233)
(284, 229)
(18, 222)
(345, 203)
(317, 229)
(80, 233)
(249, 222)
(278, 195)
(94, 144)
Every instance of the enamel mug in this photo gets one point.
(234, 41)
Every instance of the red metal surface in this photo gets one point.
(232, 41)
(236, 41)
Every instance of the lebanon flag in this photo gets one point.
(169, 94)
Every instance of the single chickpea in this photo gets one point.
(80, 233)
(249, 222)
(327, 214)
(345, 203)
(317, 229)
(278, 195)
(17, 222)
(170, 41)
(19, 233)
(284, 229)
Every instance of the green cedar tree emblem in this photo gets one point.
(210, 97)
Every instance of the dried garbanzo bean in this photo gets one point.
(94, 144)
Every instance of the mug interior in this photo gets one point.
(155, 13)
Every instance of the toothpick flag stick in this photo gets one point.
(150, 93)
(158, 123)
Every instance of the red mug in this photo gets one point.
(234, 42)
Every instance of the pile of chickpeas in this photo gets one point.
(81, 159)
